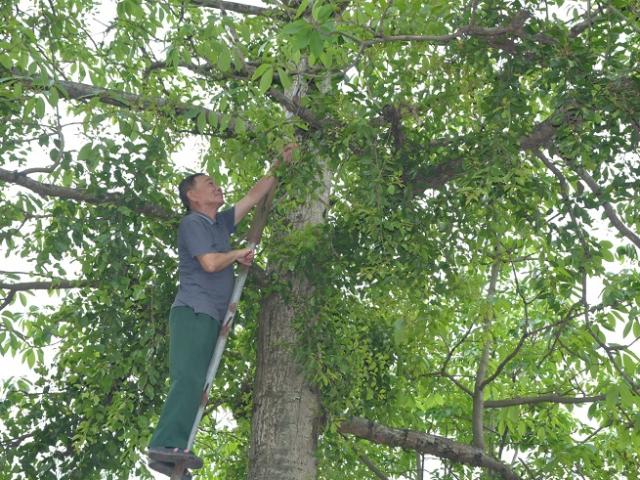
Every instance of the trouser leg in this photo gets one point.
(192, 341)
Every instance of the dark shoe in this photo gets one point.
(167, 469)
(173, 455)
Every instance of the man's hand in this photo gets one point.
(263, 186)
(244, 256)
(287, 155)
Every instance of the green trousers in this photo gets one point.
(191, 343)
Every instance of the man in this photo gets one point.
(206, 282)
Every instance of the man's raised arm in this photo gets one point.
(260, 189)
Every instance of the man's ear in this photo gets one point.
(190, 196)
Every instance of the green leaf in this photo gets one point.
(316, 43)
(201, 122)
(261, 70)
(626, 396)
(53, 96)
(400, 334)
(294, 27)
(265, 81)
(326, 59)
(612, 397)
(240, 126)
(301, 40)
(5, 61)
(54, 154)
(224, 60)
(322, 13)
(607, 255)
(85, 152)
(67, 178)
(301, 8)
(224, 122)
(629, 364)
(29, 357)
(40, 107)
(213, 120)
(285, 79)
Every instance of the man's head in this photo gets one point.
(198, 191)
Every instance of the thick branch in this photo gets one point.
(514, 27)
(551, 398)
(245, 73)
(441, 447)
(542, 134)
(497, 37)
(49, 190)
(237, 7)
(47, 285)
(295, 108)
(80, 91)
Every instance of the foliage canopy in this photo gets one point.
(484, 185)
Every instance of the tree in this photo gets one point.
(468, 173)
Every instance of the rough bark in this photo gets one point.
(441, 447)
(287, 415)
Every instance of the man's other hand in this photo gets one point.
(245, 256)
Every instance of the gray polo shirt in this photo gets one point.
(205, 292)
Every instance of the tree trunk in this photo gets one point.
(286, 416)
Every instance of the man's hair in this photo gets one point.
(185, 185)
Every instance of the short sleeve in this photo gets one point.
(197, 236)
(227, 218)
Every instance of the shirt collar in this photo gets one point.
(211, 222)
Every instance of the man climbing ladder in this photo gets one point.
(206, 283)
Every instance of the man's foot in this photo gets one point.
(174, 455)
(167, 469)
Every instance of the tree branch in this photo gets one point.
(371, 466)
(8, 299)
(245, 73)
(477, 419)
(47, 285)
(497, 37)
(239, 8)
(542, 134)
(608, 208)
(441, 447)
(506, 360)
(49, 190)
(472, 30)
(80, 91)
(551, 398)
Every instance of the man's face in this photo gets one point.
(205, 192)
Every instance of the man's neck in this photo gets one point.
(209, 211)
